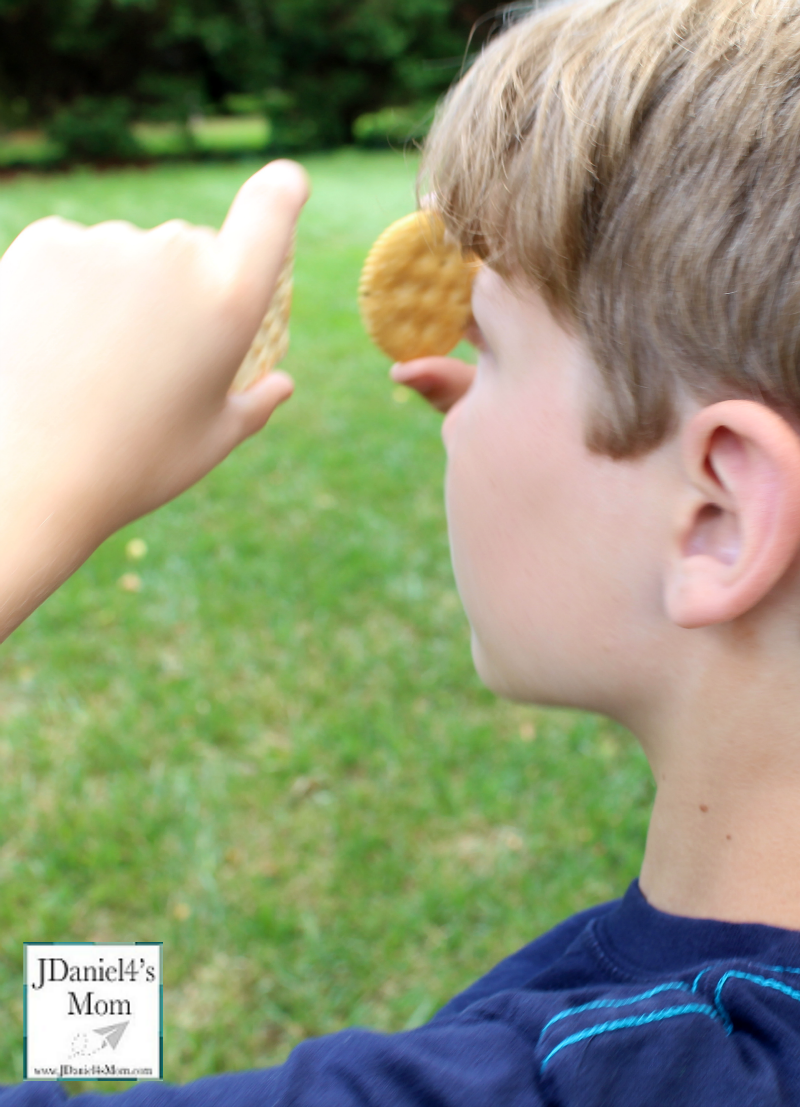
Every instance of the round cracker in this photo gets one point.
(272, 341)
(416, 288)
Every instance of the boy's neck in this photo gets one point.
(724, 836)
(714, 866)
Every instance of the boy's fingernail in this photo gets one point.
(284, 383)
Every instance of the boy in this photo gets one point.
(623, 498)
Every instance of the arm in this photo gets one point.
(117, 350)
(483, 1064)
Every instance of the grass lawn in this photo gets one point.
(270, 751)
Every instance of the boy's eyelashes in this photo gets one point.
(474, 335)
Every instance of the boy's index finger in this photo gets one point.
(257, 233)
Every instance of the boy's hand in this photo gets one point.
(442, 381)
(117, 350)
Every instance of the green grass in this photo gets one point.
(276, 757)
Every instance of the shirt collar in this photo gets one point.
(637, 936)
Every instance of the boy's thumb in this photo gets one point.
(248, 411)
(258, 228)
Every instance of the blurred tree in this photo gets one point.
(312, 65)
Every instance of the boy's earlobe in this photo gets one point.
(739, 528)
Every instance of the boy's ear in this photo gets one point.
(738, 530)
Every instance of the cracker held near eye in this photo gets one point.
(416, 288)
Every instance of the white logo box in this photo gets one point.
(93, 1011)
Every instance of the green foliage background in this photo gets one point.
(276, 757)
(313, 65)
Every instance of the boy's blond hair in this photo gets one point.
(639, 162)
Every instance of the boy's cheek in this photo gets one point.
(467, 544)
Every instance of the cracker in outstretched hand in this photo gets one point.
(272, 341)
(416, 288)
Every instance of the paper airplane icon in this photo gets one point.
(112, 1034)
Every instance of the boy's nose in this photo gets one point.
(448, 423)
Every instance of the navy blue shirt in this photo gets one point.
(619, 1006)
